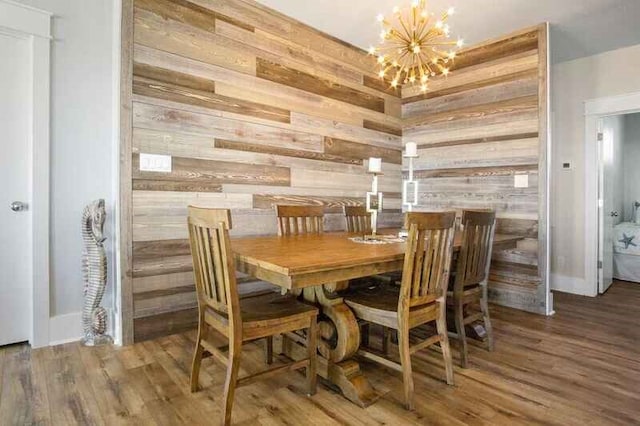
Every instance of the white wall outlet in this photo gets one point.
(521, 181)
(155, 163)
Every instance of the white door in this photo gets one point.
(609, 140)
(15, 188)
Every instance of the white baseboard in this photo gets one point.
(65, 328)
(572, 285)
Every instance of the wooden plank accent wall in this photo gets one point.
(475, 130)
(255, 109)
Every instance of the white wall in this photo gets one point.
(631, 164)
(611, 73)
(83, 153)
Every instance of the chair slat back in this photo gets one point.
(427, 259)
(474, 258)
(358, 219)
(213, 263)
(300, 220)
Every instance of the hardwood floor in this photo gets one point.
(580, 367)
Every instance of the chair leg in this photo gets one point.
(386, 338)
(462, 337)
(269, 350)
(312, 351)
(364, 335)
(441, 326)
(197, 356)
(484, 307)
(232, 379)
(405, 361)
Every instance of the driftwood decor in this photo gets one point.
(94, 265)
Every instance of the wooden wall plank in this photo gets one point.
(526, 86)
(175, 37)
(153, 117)
(492, 71)
(355, 151)
(509, 46)
(215, 172)
(487, 154)
(169, 85)
(279, 73)
(324, 156)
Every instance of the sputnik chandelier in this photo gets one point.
(415, 46)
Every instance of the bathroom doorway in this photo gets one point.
(606, 122)
(618, 199)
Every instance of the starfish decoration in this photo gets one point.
(627, 241)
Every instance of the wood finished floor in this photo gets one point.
(580, 367)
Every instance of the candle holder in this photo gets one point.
(410, 186)
(374, 205)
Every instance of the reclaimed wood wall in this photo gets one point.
(475, 130)
(256, 109)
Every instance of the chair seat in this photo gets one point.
(379, 304)
(268, 314)
(270, 307)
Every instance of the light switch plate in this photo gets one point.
(155, 163)
(521, 181)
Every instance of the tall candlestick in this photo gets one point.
(409, 186)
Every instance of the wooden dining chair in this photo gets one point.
(358, 219)
(239, 320)
(419, 300)
(299, 220)
(471, 276)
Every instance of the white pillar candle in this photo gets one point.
(375, 165)
(411, 149)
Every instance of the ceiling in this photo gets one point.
(578, 27)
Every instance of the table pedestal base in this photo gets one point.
(338, 342)
(345, 375)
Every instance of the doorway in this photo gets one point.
(24, 174)
(619, 192)
(612, 222)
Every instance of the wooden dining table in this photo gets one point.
(313, 266)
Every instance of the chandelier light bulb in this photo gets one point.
(460, 42)
(380, 17)
(424, 87)
(451, 11)
(396, 9)
(416, 49)
(424, 79)
(394, 83)
(372, 50)
(381, 59)
(439, 24)
(381, 74)
(415, 3)
(445, 71)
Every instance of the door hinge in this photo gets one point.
(600, 137)
(599, 264)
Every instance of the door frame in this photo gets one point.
(594, 110)
(34, 25)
